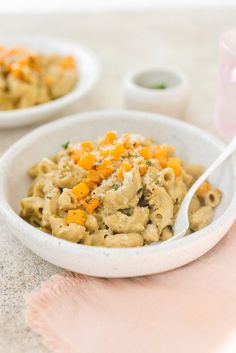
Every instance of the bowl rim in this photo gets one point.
(68, 98)
(11, 217)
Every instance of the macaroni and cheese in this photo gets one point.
(115, 192)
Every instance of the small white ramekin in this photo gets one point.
(139, 94)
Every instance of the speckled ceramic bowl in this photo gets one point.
(192, 144)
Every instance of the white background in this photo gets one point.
(22, 6)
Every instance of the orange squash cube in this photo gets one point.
(145, 152)
(125, 167)
(90, 184)
(90, 204)
(80, 190)
(126, 139)
(109, 138)
(203, 188)
(161, 155)
(174, 163)
(161, 150)
(76, 216)
(120, 173)
(137, 144)
(105, 152)
(162, 160)
(117, 151)
(105, 168)
(75, 155)
(68, 62)
(87, 161)
(143, 168)
(87, 145)
(93, 175)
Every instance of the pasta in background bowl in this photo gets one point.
(29, 78)
(115, 262)
(84, 64)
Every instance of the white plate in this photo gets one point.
(192, 144)
(88, 69)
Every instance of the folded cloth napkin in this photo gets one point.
(188, 310)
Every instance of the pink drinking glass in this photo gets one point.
(225, 112)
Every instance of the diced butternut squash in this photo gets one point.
(162, 160)
(105, 168)
(87, 145)
(117, 151)
(145, 152)
(143, 168)
(203, 188)
(161, 155)
(90, 184)
(76, 216)
(120, 173)
(93, 175)
(91, 203)
(105, 152)
(161, 150)
(16, 70)
(126, 139)
(87, 161)
(76, 155)
(68, 62)
(137, 144)
(125, 167)
(174, 163)
(109, 138)
(81, 190)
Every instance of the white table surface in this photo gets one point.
(186, 39)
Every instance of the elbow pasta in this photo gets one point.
(28, 79)
(115, 192)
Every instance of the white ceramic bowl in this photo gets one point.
(192, 144)
(88, 69)
(139, 94)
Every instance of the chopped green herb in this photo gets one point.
(140, 190)
(115, 186)
(65, 145)
(149, 163)
(159, 86)
(127, 211)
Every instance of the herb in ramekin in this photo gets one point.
(65, 145)
(159, 86)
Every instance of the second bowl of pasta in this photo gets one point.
(41, 77)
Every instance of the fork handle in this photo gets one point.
(182, 224)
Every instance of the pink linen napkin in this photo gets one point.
(189, 310)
